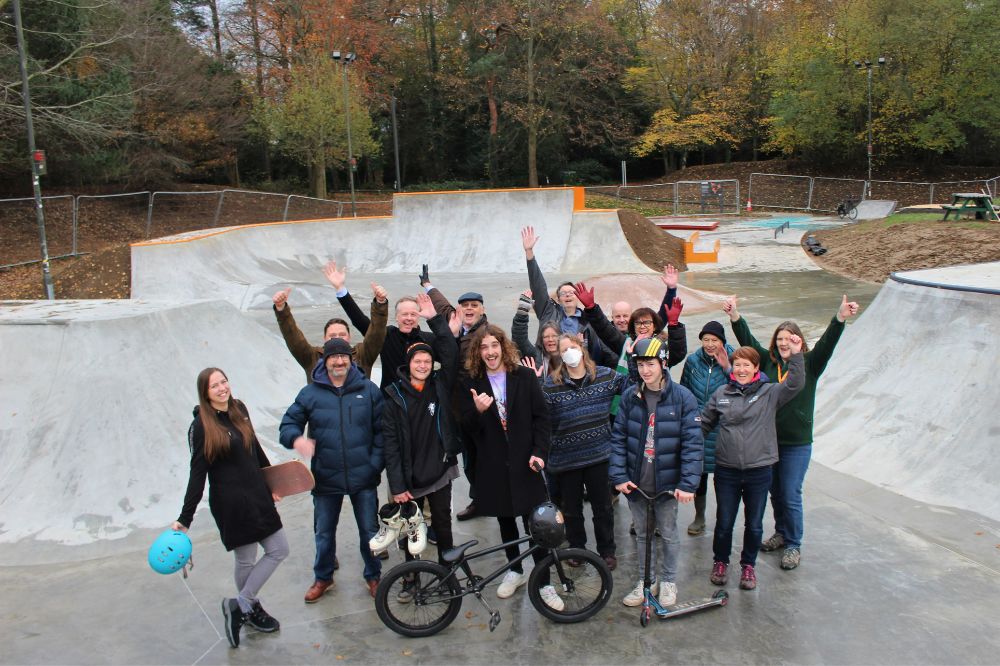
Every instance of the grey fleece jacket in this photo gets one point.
(745, 414)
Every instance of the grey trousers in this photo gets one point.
(666, 546)
(251, 573)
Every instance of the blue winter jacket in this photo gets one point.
(679, 444)
(346, 423)
(702, 376)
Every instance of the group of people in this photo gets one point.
(590, 401)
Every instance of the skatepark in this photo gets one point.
(901, 562)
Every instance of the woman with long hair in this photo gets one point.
(579, 395)
(225, 449)
(541, 358)
(794, 421)
(507, 425)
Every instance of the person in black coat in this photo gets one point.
(507, 421)
(225, 449)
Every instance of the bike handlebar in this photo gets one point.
(656, 496)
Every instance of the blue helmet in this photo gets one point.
(170, 552)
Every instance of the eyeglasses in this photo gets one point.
(644, 323)
(566, 292)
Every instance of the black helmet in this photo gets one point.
(547, 526)
(650, 348)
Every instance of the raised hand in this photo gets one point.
(379, 292)
(722, 358)
(584, 295)
(847, 309)
(454, 323)
(729, 307)
(795, 342)
(425, 278)
(280, 298)
(336, 277)
(528, 240)
(524, 301)
(426, 306)
(669, 276)
(481, 400)
(529, 362)
(674, 312)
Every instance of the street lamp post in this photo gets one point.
(867, 65)
(345, 59)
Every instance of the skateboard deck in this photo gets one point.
(720, 598)
(288, 478)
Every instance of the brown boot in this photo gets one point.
(317, 590)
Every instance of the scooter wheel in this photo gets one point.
(644, 617)
(723, 595)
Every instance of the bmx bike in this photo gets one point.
(848, 209)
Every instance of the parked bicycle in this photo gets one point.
(420, 598)
(848, 208)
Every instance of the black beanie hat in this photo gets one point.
(418, 347)
(335, 346)
(713, 328)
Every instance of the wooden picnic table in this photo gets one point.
(971, 202)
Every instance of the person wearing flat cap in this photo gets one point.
(418, 426)
(343, 411)
(472, 317)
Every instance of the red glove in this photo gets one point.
(584, 295)
(674, 313)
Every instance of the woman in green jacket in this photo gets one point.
(794, 421)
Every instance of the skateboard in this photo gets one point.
(288, 478)
(720, 598)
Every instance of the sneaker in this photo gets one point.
(635, 597)
(790, 558)
(391, 519)
(432, 538)
(234, 619)
(551, 598)
(510, 583)
(405, 595)
(261, 620)
(668, 594)
(748, 579)
(416, 540)
(774, 543)
(718, 576)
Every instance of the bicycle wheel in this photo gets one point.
(583, 589)
(424, 607)
(853, 213)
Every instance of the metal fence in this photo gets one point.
(77, 225)
(684, 197)
(792, 192)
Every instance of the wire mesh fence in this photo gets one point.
(685, 197)
(19, 224)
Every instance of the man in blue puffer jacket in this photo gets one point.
(656, 445)
(705, 371)
(343, 410)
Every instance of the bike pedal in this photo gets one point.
(494, 620)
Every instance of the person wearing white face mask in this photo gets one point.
(579, 395)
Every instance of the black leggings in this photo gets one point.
(703, 486)
(508, 532)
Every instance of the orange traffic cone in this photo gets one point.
(749, 206)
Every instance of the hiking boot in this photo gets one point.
(748, 579)
(668, 594)
(405, 595)
(234, 619)
(261, 620)
(775, 542)
(391, 520)
(635, 597)
(718, 576)
(790, 558)
(551, 598)
(697, 526)
(317, 590)
(510, 583)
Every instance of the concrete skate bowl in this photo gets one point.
(97, 398)
(910, 399)
(455, 232)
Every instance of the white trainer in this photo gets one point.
(668, 594)
(416, 538)
(510, 583)
(635, 597)
(551, 598)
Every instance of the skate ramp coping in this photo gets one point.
(97, 401)
(875, 209)
(475, 232)
(908, 400)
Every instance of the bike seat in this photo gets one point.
(453, 555)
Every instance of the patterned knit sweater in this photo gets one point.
(581, 431)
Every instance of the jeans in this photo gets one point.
(251, 573)
(571, 484)
(326, 516)
(440, 506)
(665, 548)
(732, 485)
(786, 492)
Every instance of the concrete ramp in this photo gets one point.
(454, 232)
(873, 209)
(910, 398)
(97, 399)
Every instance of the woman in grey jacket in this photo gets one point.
(746, 448)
